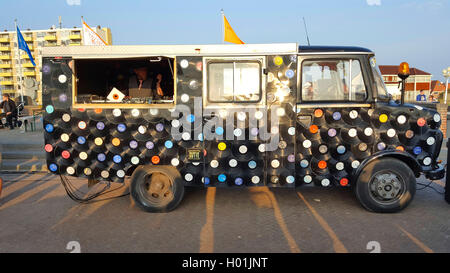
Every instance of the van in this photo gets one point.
(276, 115)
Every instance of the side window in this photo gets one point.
(234, 81)
(333, 80)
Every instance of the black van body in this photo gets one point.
(279, 138)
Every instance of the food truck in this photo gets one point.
(275, 115)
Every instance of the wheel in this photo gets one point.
(386, 185)
(156, 188)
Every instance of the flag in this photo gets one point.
(90, 37)
(23, 45)
(228, 34)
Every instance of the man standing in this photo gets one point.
(9, 110)
(421, 96)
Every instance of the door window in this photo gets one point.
(333, 80)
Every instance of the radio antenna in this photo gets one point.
(306, 30)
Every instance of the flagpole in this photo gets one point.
(223, 26)
(20, 64)
(82, 31)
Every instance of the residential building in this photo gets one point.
(36, 39)
(417, 81)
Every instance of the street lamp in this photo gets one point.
(446, 74)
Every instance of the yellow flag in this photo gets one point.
(228, 34)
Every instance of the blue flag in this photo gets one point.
(23, 45)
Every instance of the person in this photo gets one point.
(9, 110)
(160, 86)
(421, 96)
(140, 85)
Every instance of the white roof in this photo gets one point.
(129, 51)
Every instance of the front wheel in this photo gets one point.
(156, 188)
(386, 185)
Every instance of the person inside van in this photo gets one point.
(160, 86)
(140, 85)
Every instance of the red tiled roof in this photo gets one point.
(393, 70)
(388, 69)
(437, 86)
(416, 71)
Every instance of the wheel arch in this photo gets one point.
(402, 156)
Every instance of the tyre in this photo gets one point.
(385, 185)
(156, 188)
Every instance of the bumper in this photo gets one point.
(436, 174)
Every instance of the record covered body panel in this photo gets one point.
(230, 121)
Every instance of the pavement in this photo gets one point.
(22, 151)
(37, 216)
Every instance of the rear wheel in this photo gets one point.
(386, 185)
(156, 188)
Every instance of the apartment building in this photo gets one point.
(36, 39)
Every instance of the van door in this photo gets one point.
(333, 118)
(233, 99)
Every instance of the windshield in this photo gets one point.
(382, 90)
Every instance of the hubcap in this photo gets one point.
(386, 186)
(157, 189)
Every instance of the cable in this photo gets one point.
(428, 186)
(71, 191)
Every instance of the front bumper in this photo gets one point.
(437, 173)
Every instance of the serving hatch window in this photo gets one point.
(234, 81)
(333, 80)
(128, 81)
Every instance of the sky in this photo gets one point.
(415, 31)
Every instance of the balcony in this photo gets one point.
(6, 74)
(28, 38)
(50, 38)
(50, 43)
(4, 40)
(5, 57)
(25, 56)
(5, 65)
(6, 83)
(75, 44)
(5, 48)
(75, 37)
(9, 91)
(27, 64)
(29, 73)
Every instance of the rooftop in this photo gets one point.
(333, 49)
(393, 70)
